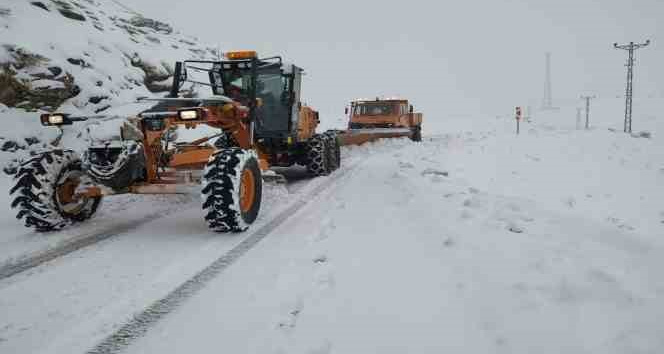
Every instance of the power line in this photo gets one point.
(630, 78)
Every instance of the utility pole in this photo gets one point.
(587, 98)
(630, 77)
(547, 100)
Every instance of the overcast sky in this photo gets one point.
(449, 57)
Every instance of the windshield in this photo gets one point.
(373, 109)
(237, 84)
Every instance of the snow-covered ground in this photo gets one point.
(473, 241)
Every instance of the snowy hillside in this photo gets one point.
(81, 57)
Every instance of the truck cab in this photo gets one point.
(382, 113)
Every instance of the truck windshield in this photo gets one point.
(373, 109)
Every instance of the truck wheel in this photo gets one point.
(232, 190)
(335, 150)
(417, 133)
(44, 188)
(317, 158)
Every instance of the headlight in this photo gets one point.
(189, 114)
(54, 119)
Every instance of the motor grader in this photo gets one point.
(370, 119)
(254, 105)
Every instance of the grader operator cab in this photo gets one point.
(255, 105)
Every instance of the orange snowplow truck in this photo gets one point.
(370, 120)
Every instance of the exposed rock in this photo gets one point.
(97, 99)
(80, 62)
(158, 26)
(156, 77)
(433, 171)
(31, 140)
(153, 39)
(186, 42)
(40, 5)
(71, 15)
(515, 229)
(99, 110)
(19, 93)
(10, 146)
(21, 58)
(56, 71)
(11, 168)
(5, 12)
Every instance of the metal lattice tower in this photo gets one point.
(630, 78)
(547, 101)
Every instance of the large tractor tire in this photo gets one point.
(334, 153)
(225, 141)
(417, 133)
(317, 156)
(232, 190)
(44, 191)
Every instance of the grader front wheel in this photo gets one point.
(44, 191)
(232, 190)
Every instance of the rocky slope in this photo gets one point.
(78, 56)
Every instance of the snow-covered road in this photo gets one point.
(473, 241)
(414, 254)
(70, 303)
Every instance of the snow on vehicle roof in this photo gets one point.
(378, 99)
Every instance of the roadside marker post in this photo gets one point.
(518, 118)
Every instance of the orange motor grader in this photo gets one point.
(255, 106)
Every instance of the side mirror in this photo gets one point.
(346, 111)
(410, 110)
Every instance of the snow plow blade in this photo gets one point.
(361, 136)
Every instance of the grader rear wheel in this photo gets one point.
(317, 156)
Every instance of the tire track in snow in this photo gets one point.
(73, 244)
(140, 323)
